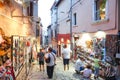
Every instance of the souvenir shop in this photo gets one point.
(22, 55)
(18, 49)
(104, 45)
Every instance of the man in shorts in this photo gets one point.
(66, 54)
(40, 56)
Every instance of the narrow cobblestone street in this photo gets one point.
(32, 30)
(59, 73)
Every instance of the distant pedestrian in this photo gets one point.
(50, 65)
(46, 48)
(66, 54)
(40, 56)
(54, 51)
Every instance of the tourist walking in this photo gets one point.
(66, 55)
(40, 57)
(50, 65)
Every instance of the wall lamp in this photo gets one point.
(100, 34)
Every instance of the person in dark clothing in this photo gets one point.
(40, 56)
(54, 51)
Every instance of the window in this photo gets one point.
(100, 8)
(75, 21)
(52, 33)
(31, 9)
(37, 31)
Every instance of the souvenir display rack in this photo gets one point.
(18, 53)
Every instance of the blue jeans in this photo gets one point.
(81, 68)
(96, 72)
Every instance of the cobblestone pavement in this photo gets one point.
(59, 73)
(70, 74)
(35, 73)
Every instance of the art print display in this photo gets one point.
(21, 51)
(15, 53)
(111, 45)
(18, 44)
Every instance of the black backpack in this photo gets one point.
(48, 59)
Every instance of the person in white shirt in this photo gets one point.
(79, 64)
(66, 54)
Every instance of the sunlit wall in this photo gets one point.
(11, 24)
